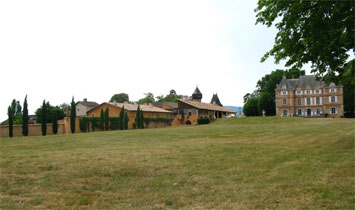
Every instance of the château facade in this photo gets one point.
(308, 97)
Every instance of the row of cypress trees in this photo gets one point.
(24, 119)
(105, 116)
(44, 117)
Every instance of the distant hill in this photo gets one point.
(237, 109)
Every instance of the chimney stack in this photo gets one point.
(85, 100)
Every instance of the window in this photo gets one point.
(77, 109)
(308, 101)
(317, 100)
(333, 110)
(299, 92)
(299, 112)
(284, 101)
(299, 101)
(308, 92)
(190, 113)
(284, 112)
(333, 90)
(318, 111)
(317, 91)
(284, 93)
(332, 99)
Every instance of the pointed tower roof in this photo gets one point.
(197, 94)
(215, 100)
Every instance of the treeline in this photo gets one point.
(18, 116)
(45, 114)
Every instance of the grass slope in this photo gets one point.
(288, 163)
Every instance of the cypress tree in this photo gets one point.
(25, 118)
(141, 119)
(72, 115)
(11, 120)
(138, 116)
(44, 118)
(122, 118)
(55, 123)
(102, 120)
(107, 115)
(126, 119)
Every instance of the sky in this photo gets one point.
(56, 50)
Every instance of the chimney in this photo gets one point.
(114, 101)
(85, 100)
(186, 98)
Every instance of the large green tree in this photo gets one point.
(72, 115)
(11, 122)
(320, 33)
(51, 110)
(149, 98)
(25, 118)
(266, 102)
(251, 107)
(348, 80)
(120, 97)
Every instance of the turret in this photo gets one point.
(197, 95)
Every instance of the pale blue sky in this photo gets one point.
(54, 50)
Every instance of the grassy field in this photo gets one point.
(287, 163)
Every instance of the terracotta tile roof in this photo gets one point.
(161, 104)
(144, 107)
(202, 105)
(88, 103)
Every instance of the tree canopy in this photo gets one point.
(171, 97)
(51, 112)
(120, 97)
(149, 98)
(251, 107)
(320, 33)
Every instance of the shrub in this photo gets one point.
(203, 120)
(114, 123)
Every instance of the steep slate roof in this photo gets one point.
(216, 100)
(197, 94)
(133, 107)
(304, 82)
(197, 91)
(202, 105)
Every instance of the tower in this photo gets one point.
(197, 95)
(215, 100)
